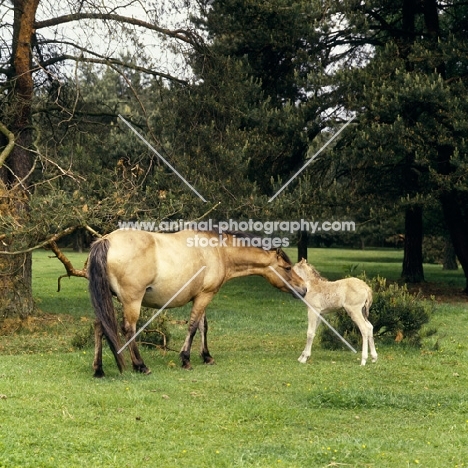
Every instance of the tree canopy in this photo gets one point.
(237, 95)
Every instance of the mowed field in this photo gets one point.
(257, 407)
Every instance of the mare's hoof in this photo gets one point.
(142, 369)
(209, 361)
(187, 366)
(99, 374)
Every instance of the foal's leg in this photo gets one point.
(97, 364)
(197, 315)
(371, 341)
(131, 313)
(203, 329)
(356, 315)
(313, 322)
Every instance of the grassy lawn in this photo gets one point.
(258, 407)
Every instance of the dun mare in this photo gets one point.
(143, 268)
(351, 294)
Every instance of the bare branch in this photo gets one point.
(9, 147)
(54, 238)
(71, 270)
(101, 59)
(186, 36)
(92, 231)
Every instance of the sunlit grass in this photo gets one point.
(258, 407)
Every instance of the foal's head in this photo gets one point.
(283, 274)
(306, 271)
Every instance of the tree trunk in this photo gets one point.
(458, 227)
(302, 246)
(15, 271)
(413, 256)
(450, 257)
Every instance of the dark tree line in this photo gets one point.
(265, 84)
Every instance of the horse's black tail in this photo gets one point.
(101, 296)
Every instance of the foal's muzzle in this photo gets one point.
(302, 291)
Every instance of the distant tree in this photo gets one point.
(410, 147)
(278, 47)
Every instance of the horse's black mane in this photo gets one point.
(243, 235)
(284, 255)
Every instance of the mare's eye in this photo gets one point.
(288, 268)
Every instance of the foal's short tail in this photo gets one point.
(101, 296)
(367, 305)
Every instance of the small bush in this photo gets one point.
(84, 337)
(155, 334)
(397, 316)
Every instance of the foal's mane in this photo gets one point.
(315, 273)
(312, 272)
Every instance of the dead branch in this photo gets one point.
(54, 238)
(71, 270)
(9, 147)
(184, 35)
(92, 231)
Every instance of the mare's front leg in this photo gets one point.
(131, 314)
(97, 364)
(313, 321)
(197, 316)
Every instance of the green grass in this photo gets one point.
(258, 407)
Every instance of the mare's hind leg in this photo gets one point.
(97, 364)
(203, 329)
(197, 315)
(313, 322)
(131, 315)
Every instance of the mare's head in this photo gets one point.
(306, 271)
(283, 274)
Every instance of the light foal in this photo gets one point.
(351, 294)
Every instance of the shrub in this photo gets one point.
(155, 334)
(397, 316)
(84, 337)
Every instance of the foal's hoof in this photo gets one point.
(99, 374)
(302, 359)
